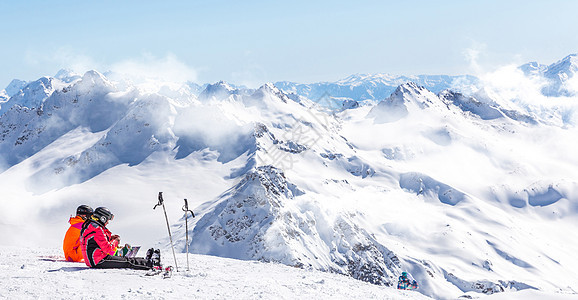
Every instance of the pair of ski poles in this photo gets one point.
(186, 210)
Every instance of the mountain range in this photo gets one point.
(366, 177)
(559, 76)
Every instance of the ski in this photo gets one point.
(157, 270)
(53, 258)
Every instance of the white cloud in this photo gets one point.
(252, 76)
(511, 84)
(138, 69)
(168, 68)
(78, 62)
(512, 89)
(60, 58)
(210, 124)
(473, 55)
(572, 85)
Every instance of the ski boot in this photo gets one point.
(153, 258)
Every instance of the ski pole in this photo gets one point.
(161, 202)
(186, 210)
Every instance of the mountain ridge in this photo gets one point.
(420, 181)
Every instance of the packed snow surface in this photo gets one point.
(41, 274)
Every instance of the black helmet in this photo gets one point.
(84, 210)
(103, 214)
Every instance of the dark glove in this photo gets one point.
(115, 237)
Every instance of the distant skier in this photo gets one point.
(406, 282)
(71, 244)
(99, 245)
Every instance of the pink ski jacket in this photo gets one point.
(96, 242)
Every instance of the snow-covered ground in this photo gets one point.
(32, 273)
(41, 273)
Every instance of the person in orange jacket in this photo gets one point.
(71, 245)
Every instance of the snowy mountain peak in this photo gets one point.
(570, 59)
(95, 78)
(352, 78)
(408, 97)
(244, 216)
(563, 69)
(45, 83)
(67, 75)
(449, 96)
(533, 69)
(90, 80)
(483, 110)
(558, 76)
(90, 83)
(359, 78)
(33, 94)
(270, 90)
(260, 221)
(217, 91)
(269, 87)
(219, 86)
(411, 88)
(411, 92)
(15, 86)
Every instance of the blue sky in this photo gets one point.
(252, 42)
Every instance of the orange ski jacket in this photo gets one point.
(71, 245)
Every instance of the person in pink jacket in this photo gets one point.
(98, 245)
